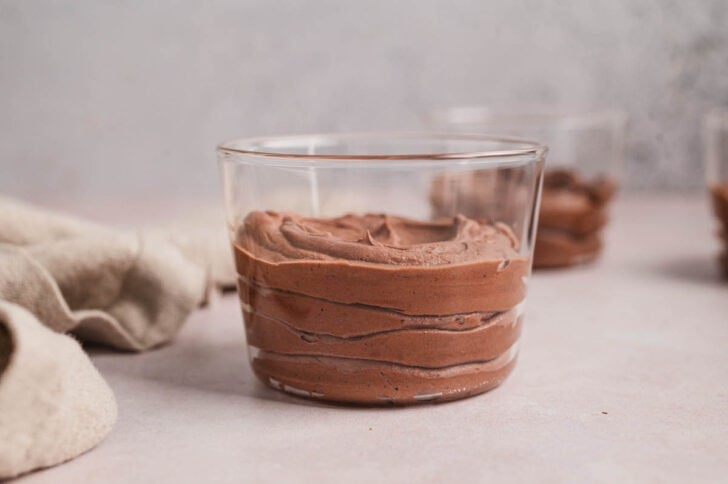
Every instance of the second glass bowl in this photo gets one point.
(715, 132)
(585, 158)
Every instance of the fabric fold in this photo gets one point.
(54, 405)
(129, 290)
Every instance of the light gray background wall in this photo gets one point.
(114, 98)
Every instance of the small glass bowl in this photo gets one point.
(353, 290)
(715, 151)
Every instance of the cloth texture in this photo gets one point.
(128, 290)
(54, 405)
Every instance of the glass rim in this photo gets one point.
(251, 147)
(474, 115)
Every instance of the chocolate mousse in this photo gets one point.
(573, 213)
(719, 193)
(376, 309)
(573, 210)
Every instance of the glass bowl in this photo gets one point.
(353, 290)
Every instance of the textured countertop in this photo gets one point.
(623, 377)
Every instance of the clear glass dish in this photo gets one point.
(715, 148)
(585, 159)
(353, 289)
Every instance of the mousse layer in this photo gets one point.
(325, 299)
(557, 248)
(415, 268)
(372, 383)
(572, 216)
(427, 348)
(719, 196)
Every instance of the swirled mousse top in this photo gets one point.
(451, 266)
(375, 239)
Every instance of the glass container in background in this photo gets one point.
(352, 290)
(715, 142)
(585, 160)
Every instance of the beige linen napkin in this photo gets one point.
(54, 405)
(128, 290)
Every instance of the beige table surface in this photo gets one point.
(623, 377)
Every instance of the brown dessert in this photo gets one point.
(376, 309)
(573, 211)
(719, 195)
